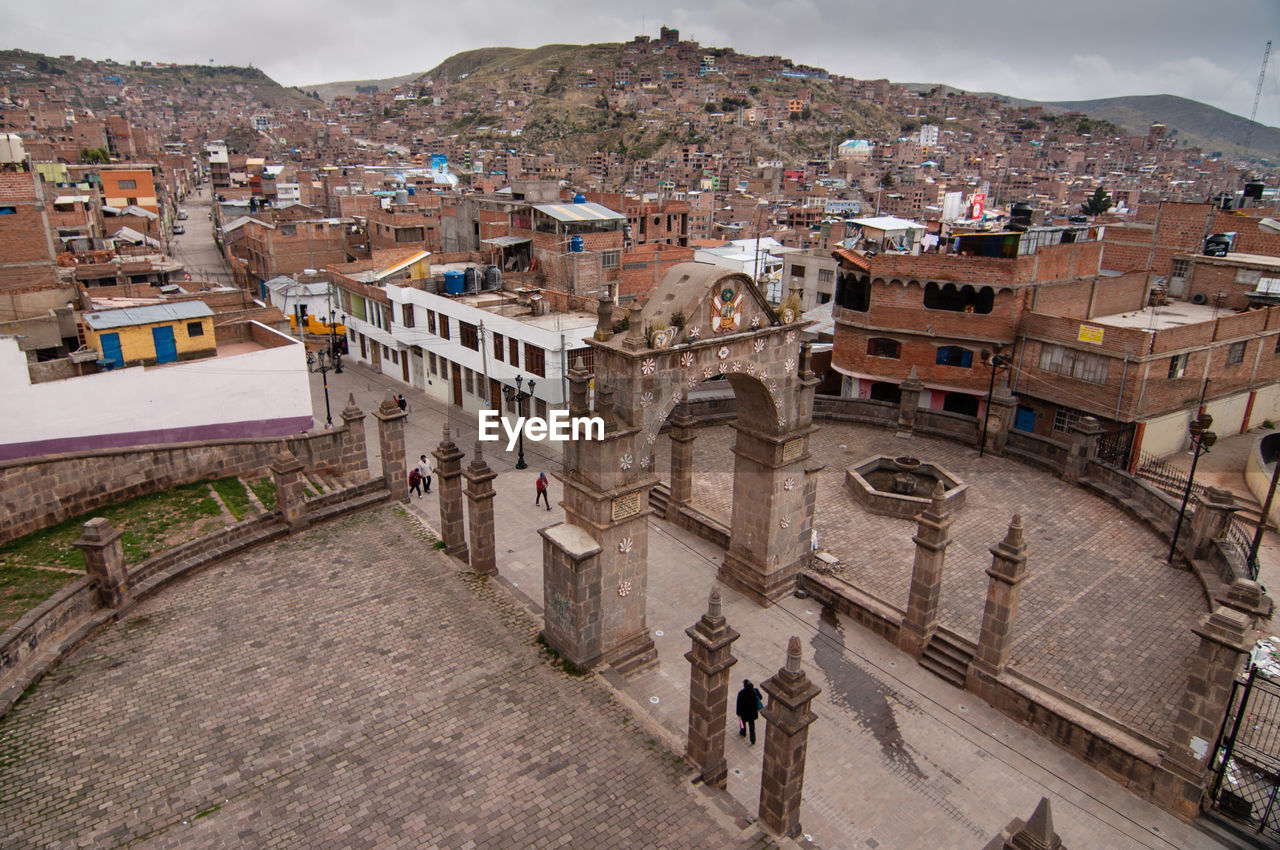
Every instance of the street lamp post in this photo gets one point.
(996, 361)
(1266, 512)
(1201, 439)
(319, 361)
(517, 395)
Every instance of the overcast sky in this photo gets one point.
(1079, 49)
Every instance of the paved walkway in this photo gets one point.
(344, 688)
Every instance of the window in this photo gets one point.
(468, 378)
(127, 184)
(879, 346)
(406, 315)
(962, 299)
(535, 360)
(1179, 268)
(513, 349)
(853, 292)
(1064, 418)
(824, 297)
(431, 362)
(408, 234)
(195, 329)
(395, 357)
(288, 230)
(468, 335)
(1177, 365)
(431, 321)
(1235, 353)
(797, 271)
(444, 326)
(8, 210)
(609, 259)
(497, 347)
(1074, 364)
(826, 275)
(954, 355)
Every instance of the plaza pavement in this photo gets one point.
(898, 758)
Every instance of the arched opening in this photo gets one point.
(880, 346)
(960, 403)
(959, 299)
(885, 391)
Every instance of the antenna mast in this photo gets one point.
(1257, 95)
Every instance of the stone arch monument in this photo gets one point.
(701, 322)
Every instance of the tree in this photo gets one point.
(94, 156)
(1098, 203)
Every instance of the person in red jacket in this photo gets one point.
(542, 491)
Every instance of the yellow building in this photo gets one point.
(147, 336)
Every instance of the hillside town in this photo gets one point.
(191, 255)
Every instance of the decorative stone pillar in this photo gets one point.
(391, 442)
(682, 436)
(909, 401)
(1007, 571)
(1249, 598)
(449, 472)
(480, 514)
(786, 743)
(286, 474)
(931, 541)
(571, 578)
(1035, 834)
(355, 456)
(1084, 447)
(1214, 508)
(999, 416)
(1225, 637)
(709, 661)
(99, 544)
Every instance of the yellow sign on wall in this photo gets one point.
(1090, 333)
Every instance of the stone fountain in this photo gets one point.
(901, 486)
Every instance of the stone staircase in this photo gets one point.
(947, 656)
(659, 498)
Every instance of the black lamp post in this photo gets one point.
(995, 360)
(1201, 439)
(320, 361)
(516, 395)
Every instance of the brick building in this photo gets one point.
(1159, 231)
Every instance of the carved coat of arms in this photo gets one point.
(726, 310)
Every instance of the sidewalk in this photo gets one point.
(891, 738)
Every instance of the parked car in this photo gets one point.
(182, 214)
(178, 228)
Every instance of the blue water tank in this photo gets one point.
(454, 283)
(575, 244)
(413, 190)
(579, 198)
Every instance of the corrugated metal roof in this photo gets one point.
(579, 212)
(150, 315)
(506, 241)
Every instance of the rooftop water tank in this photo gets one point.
(492, 278)
(579, 198)
(454, 283)
(471, 279)
(575, 244)
(402, 197)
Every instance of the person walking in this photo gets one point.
(748, 709)
(402, 403)
(424, 470)
(541, 486)
(415, 482)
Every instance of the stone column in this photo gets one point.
(449, 472)
(682, 436)
(786, 743)
(1225, 637)
(571, 578)
(1249, 598)
(480, 513)
(1084, 447)
(1035, 834)
(391, 442)
(1214, 508)
(286, 474)
(709, 663)
(909, 401)
(355, 456)
(999, 416)
(932, 537)
(1007, 571)
(99, 544)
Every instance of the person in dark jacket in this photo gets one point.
(748, 709)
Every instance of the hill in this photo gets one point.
(350, 88)
(1190, 123)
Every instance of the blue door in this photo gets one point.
(166, 351)
(111, 350)
(1024, 419)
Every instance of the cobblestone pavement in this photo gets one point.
(1101, 617)
(343, 688)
